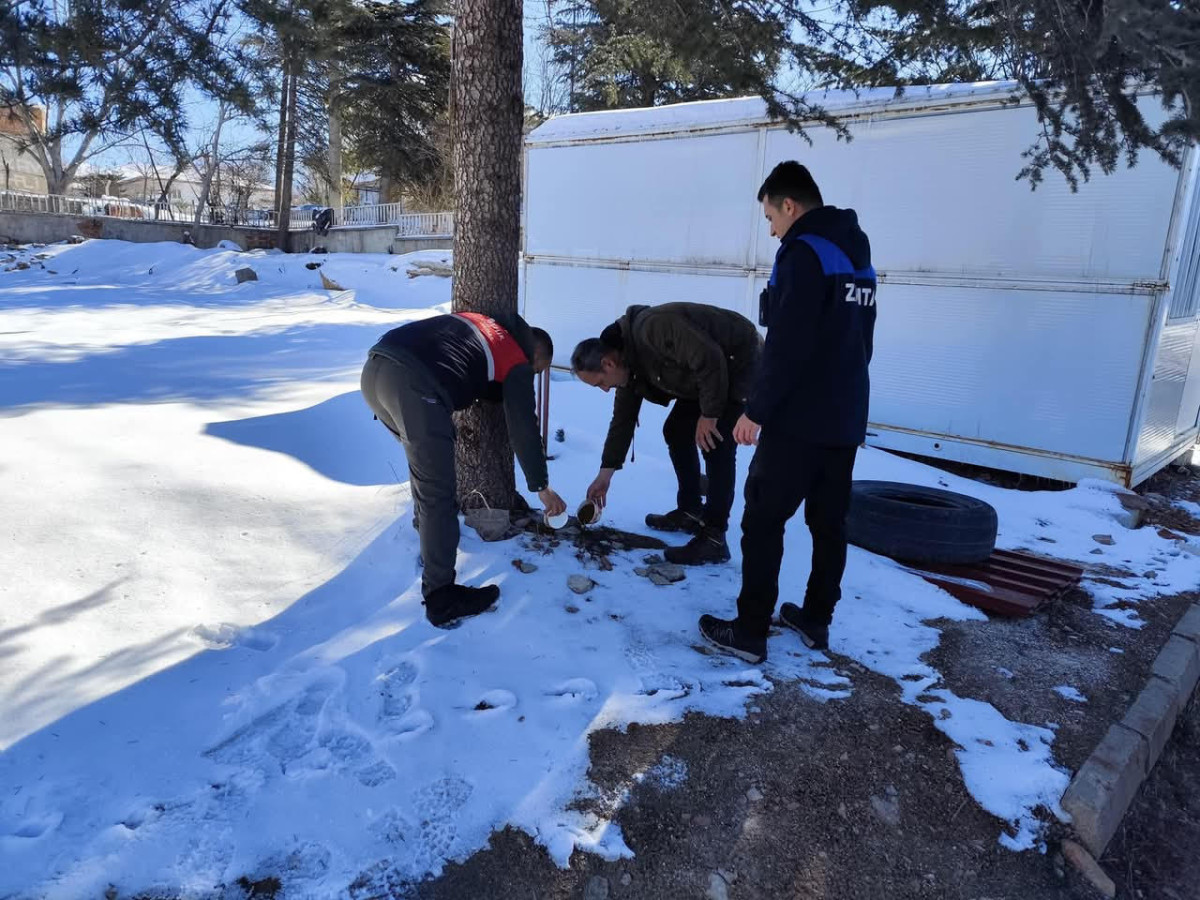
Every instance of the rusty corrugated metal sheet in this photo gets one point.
(1008, 583)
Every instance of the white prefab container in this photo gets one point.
(1045, 332)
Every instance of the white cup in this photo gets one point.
(556, 522)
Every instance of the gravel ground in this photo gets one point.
(862, 797)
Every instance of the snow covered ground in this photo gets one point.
(213, 659)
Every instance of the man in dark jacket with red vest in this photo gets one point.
(415, 376)
(807, 411)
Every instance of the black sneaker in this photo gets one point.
(449, 605)
(814, 636)
(724, 634)
(675, 520)
(706, 547)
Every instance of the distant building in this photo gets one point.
(365, 190)
(142, 185)
(19, 170)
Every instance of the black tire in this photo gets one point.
(919, 524)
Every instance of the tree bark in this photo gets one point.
(487, 110)
(334, 197)
(281, 144)
(289, 163)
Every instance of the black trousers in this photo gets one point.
(783, 474)
(405, 398)
(720, 464)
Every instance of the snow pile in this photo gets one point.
(215, 658)
(1070, 693)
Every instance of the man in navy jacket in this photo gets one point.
(807, 412)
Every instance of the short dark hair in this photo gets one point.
(588, 355)
(791, 180)
(543, 345)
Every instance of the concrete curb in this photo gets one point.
(1107, 782)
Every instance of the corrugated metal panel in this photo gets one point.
(1185, 294)
(1050, 371)
(1189, 405)
(1185, 300)
(585, 299)
(939, 194)
(1014, 319)
(1165, 398)
(688, 200)
(1010, 583)
(1055, 466)
(684, 200)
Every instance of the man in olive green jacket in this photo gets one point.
(702, 357)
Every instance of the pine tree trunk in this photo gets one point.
(334, 197)
(289, 166)
(487, 114)
(282, 143)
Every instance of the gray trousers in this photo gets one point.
(406, 399)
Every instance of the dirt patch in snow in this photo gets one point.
(1016, 664)
(859, 798)
(862, 798)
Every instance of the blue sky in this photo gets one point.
(202, 113)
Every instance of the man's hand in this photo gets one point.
(746, 432)
(707, 435)
(597, 491)
(551, 502)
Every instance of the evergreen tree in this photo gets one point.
(102, 71)
(367, 80)
(1083, 63)
(622, 53)
(394, 98)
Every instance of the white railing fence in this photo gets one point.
(376, 214)
(439, 224)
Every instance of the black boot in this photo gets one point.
(448, 605)
(675, 520)
(726, 635)
(815, 636)
(708, 546)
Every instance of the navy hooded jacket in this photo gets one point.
(819, 311)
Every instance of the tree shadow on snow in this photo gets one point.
(181, 708)
(198, 369)
(337, 438)
(65, 293)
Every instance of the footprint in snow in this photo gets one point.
(302, 736)
(575, 689)
(226, 636)
(497, 700)
(135, 819)
(37, 826)
(409, 726)
(395, 692)
(437, 806)
(354, 754)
